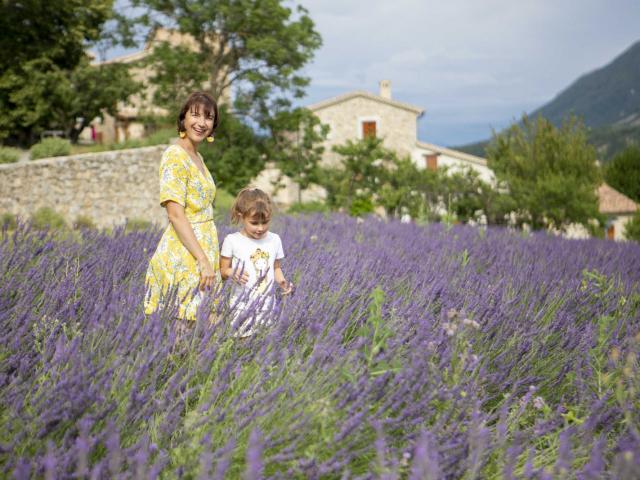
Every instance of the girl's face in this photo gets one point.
(255, 227)
(261, 264)
(197, 123)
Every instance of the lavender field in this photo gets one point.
(406, 352)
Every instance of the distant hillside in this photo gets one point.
(607, 100)
(607, 96)
(608, 141)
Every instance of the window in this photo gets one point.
(431, 161)
(369, 129)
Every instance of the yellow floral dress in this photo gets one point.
(172, 265)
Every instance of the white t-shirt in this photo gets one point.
(257, 258)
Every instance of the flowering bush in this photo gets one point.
(406, 352)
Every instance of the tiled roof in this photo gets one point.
(467, 157)
(612, 201)
(364, 94)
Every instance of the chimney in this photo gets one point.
(385, 89)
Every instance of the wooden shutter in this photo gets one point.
(369, 129)
(611, 232)
(432, 161)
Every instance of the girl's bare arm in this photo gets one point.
(287, 287)
(226, 271)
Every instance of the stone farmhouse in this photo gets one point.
(359, 114)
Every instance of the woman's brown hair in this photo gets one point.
(193, 102)
(253, 203)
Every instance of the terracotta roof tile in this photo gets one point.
(612, 201)
(361, 93)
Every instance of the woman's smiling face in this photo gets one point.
(198, 123)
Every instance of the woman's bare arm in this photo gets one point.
(185, 233)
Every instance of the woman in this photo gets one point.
(187, 257)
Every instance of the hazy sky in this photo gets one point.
(471, 64)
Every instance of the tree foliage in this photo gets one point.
(550, 173)
(371, 175)
(46, 79)
(256, 47)
(468, 196)
(296, 145)
(356, 181)
(57, 30)
(632, 228)
(237, 155)
(623, 173)
(63, 99)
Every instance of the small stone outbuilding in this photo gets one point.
(618, 208)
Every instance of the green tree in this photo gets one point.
(57, 30)
(355, 183)
(632, 228)
(550, 173)
(623, 172)
(398, 190)
(295, 144)
(258, 47)
(408, 189)
(46, 80)
(237, 155)
(467, 194)
(65, 99)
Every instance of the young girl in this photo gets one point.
(251, 258)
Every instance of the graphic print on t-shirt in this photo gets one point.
(260, 261)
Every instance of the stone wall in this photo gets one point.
(109, 187)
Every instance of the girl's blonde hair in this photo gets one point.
(253, 203)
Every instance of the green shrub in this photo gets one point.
(8, 220)
(137, 224)
(309, 207)
(360, 207)
(9, 155)
(47, 217)
(224, 200)
(83, 221)
(632, 228)
(50, 147)
(161, 136)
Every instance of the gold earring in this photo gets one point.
(182, 134)
(210, 139)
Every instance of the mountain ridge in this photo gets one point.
(607, 100)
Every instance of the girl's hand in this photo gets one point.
(207, 274)
(287, 287)
(241, 278)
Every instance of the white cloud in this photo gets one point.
(474, 57)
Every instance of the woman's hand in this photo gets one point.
(207, 274)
